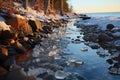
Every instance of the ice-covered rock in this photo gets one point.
(53, 52)
(36, 52)
(116, 34)
(117, 43)
(60, 74)
(102, 53)
(36, 71)
(84, 49)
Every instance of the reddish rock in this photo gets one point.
(20, 24)
(22, 57)
(3, 73)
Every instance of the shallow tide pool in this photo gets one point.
(94, 67)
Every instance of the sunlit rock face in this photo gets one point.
(20, 24)
(36, 25)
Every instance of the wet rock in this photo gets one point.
(75, 76)
(46, 76)
(110, 61)
(49, 77)
(3, 56)
(102, 53)
(104, 38)
(110, 26)
(91, 37)
(4, 50)
(114, 70)
(19, 48)
(84, 49)
(77, 41)
(79, 63)
(116, 65)
(3, 72)
(23, 57)
(74, 62)
(47, 29)
(78, 36)
(117, 44)
(11, 51)
(94, 45)
(7, 63)
(27, 45)
(16, 74)
(117, 58)
(31, 78)
(6, 36)
(116, 35)
(52, 66)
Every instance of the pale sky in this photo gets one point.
(88, 6)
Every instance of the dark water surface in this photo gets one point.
(94, 67)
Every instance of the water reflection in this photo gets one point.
(94, 56)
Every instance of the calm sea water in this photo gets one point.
(105, 14)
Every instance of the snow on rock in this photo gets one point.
(18, 16)
(117, 43)
(116, 34)
(36, 71)
(3, 25)
(53, 52)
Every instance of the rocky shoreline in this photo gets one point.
(17, 42)
(108, 39)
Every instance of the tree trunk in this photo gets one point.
(61, 7)
(52, 4)
(46, 6)
(39, 6)
(25, 4)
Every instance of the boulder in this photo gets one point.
(16, 74)
(20, 24)
(36, 25)
(3, 73)
(3, 55)
(117, 44)
(102, 37)
(116, 35)
(110, 61)
(19, 48)
(91, 37)
(110, 26)
(47, 29)
(6, 36)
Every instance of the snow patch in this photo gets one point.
(3, 25)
